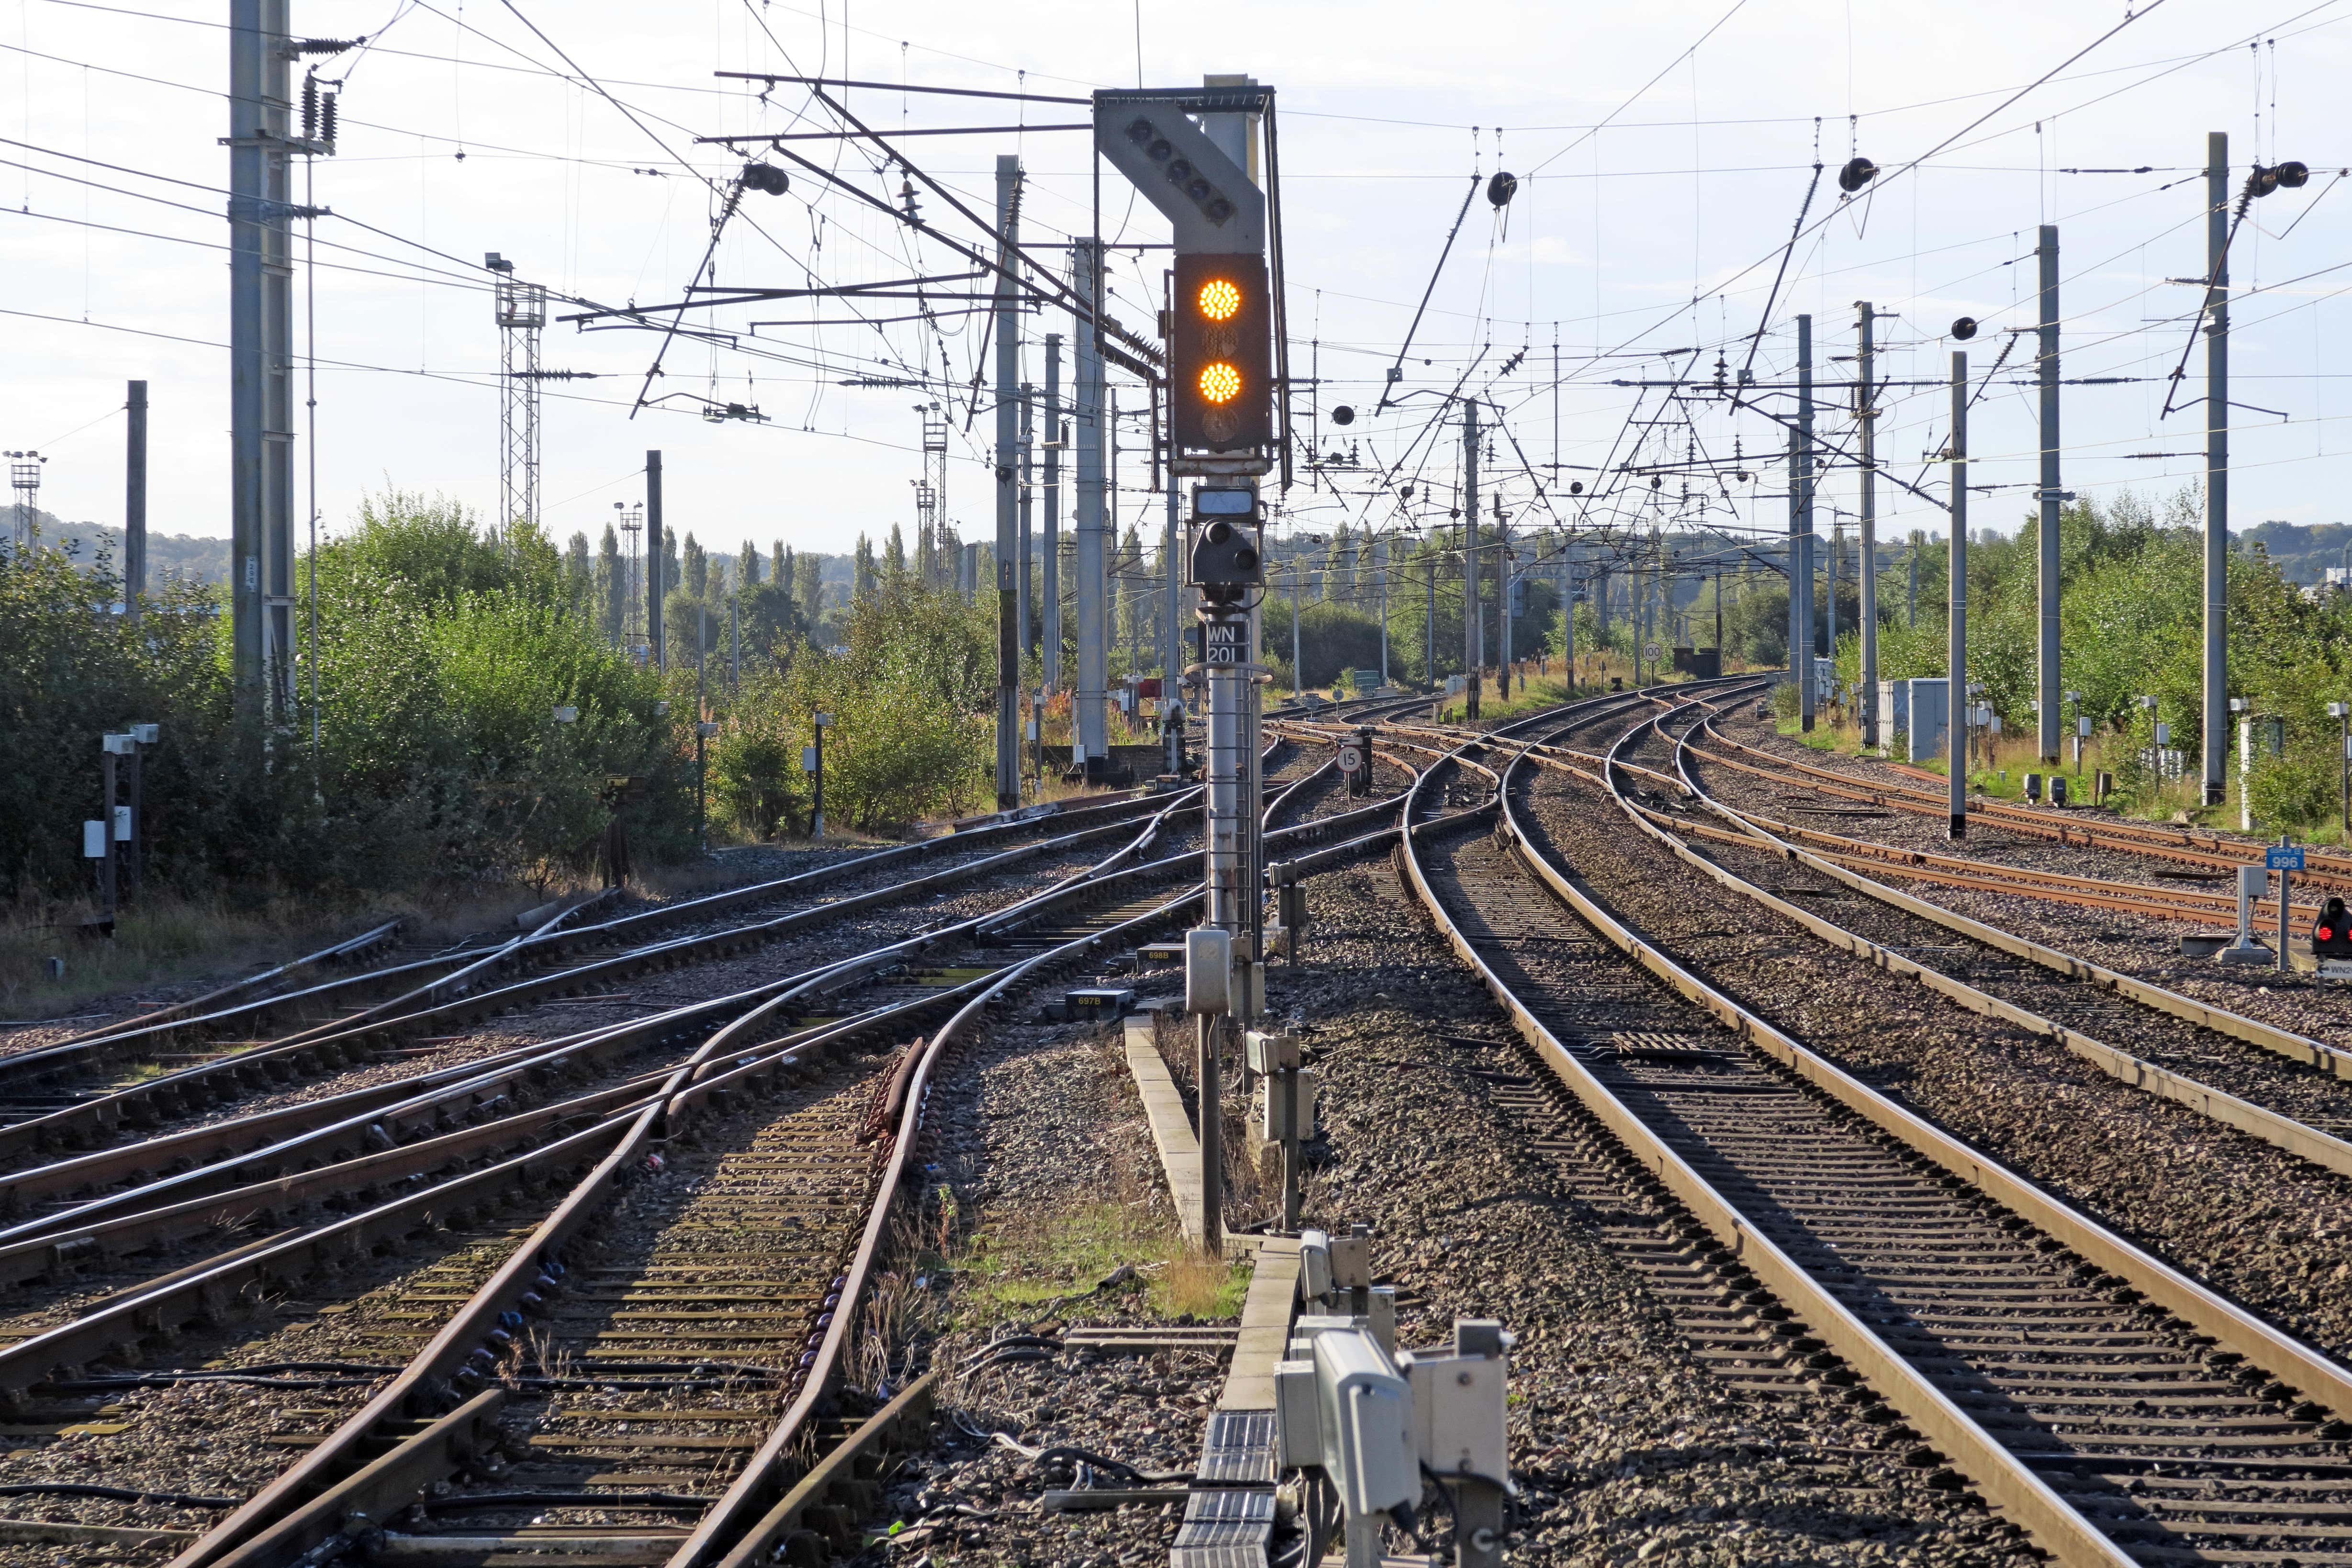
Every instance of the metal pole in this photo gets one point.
(106, 817)
(701, 711)
(1171, 665)
(1955, 689)
(654, 559)
(1473, 651)
(2280, 955)
(1008, 424)
(260, 359)
(1865, 415)
(1297, 671)
(816, 787)
(1023, 611)
(1050, 589)
(1911, 599)
(2049, 719)
(1797, 636)
(1093, 660)
(1830, 578)
(1381, 565)
(134, 506)
(2217, 462)
(1502, 601)
(1432, 619)
(136, 860)
(1804, 487)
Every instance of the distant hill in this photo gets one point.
(2303, 550)
(169, 556)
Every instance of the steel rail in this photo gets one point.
(2001, 1476)
(2271, 1127)
(692, 1088)
(348, 1038)
(742, 1529)
(455, 975)
(347, 948)
(304, 1504)
(2054, 1524)
(2294, 1047)
(2213, 852)
(473, 1087)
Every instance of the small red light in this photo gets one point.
(2326, 935)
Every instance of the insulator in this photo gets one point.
(309, 109)
(327, 121)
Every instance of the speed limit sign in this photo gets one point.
(1651, 652)
(1351, 757)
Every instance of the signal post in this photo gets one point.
(1221, 435)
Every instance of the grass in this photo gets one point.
(1027, 1267)
(175, 940)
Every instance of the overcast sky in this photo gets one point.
(465, 130)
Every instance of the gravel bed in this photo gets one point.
(216, 1440)
(213, 1439)
(1627, 1448)
(2146, 947)
(2250, 1072)
(649, 992)
(2271, 1231)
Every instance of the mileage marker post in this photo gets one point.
(2285, 859)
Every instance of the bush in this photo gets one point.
(441, 657)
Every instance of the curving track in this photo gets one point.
(646, 1244)
(2116, 1409)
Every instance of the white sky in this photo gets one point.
(1693, 189)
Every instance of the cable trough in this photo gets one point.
(2115, 1408)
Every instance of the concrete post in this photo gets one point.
(2217, 462)
(1008, 425)
(1091, 741)
(1805, 517)
(1866, 415)
(2047, 718)
(134, 505)
(1050, 587)
(1955, 687)
(1473, 651)
(654, 584)
(261, 526)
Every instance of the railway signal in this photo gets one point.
(1220, 355)
(2331, 932)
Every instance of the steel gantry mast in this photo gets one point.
(520, 309)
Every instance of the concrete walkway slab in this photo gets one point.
(1171, 1126)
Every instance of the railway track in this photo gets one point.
(1812, 1228)
(2287, 1089)
(526, 1375)
(2218, 854)
(81, 1093)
